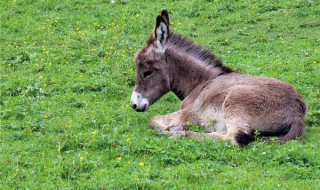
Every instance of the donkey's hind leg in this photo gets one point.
(238, 133)
(199, 136)
(238, 139)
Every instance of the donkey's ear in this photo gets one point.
(165, 14)
(161, 32)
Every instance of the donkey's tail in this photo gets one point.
(297, 123)
(296, 130)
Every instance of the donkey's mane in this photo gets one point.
(198, 52)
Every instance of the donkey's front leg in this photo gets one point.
(165, 122)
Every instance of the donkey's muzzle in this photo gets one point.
(138, 109)
(139, 103)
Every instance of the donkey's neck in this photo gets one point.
(187, 73)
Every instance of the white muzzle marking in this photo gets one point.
(138, 102)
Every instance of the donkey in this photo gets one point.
(229, 105)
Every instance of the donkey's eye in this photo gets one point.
(147, 73)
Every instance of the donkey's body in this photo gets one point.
(230, 105)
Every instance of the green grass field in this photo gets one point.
(67, 73)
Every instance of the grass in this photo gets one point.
(67, 73)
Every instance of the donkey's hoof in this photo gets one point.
(163, 132)
(177, 134)
(176, 128)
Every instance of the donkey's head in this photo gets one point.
(152, 79)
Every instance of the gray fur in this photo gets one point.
(228, 104)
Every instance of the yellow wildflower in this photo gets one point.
(119, 158)
(59, 149)
(141, 164)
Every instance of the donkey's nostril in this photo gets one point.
(134, 106)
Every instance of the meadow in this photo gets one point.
(67, 73)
